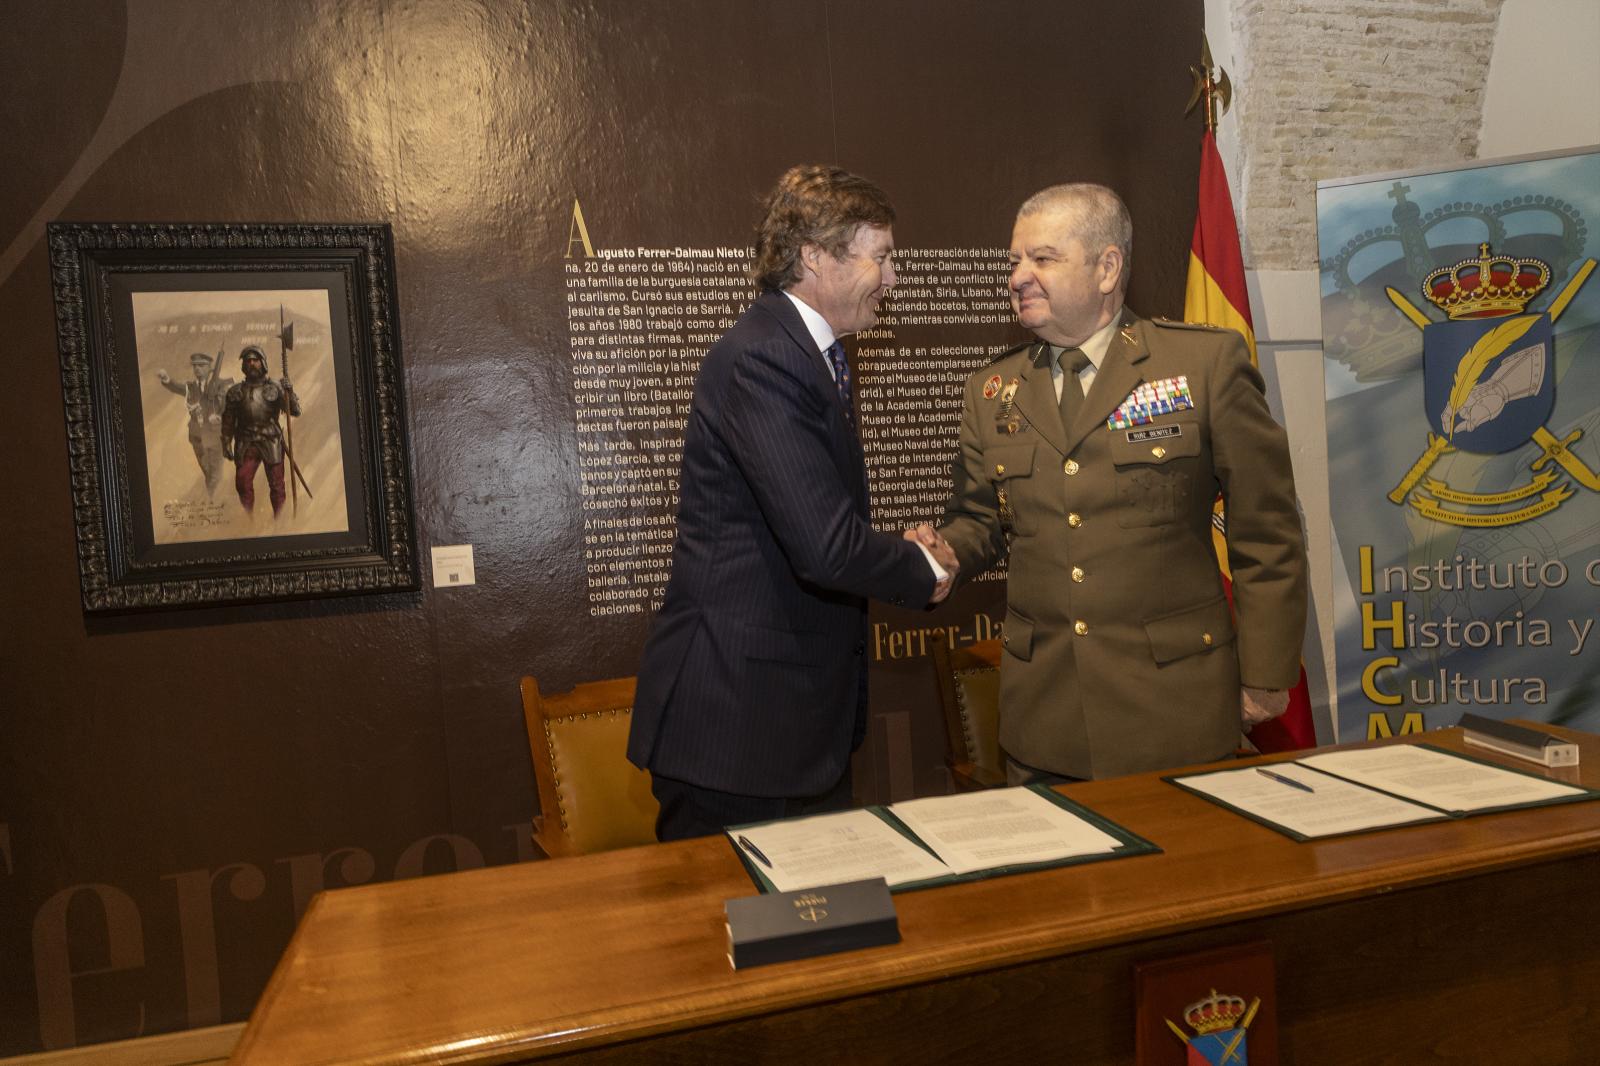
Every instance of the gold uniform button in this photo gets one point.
(1071, 467)
(1080, 628)
(1158, 451)
(1006, 639)
(1000, 468)
(1205, 638)
(1074, 520)
(1077, 573)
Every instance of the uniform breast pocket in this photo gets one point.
(1009, 468)
(1158, 472)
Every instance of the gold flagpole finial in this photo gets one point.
(1211, 84)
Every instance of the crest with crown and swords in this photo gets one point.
(1488, 386)
(1220, 1022)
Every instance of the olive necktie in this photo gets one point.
(1072, 361)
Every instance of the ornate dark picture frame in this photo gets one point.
(308, 493)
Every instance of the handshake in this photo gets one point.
(942, 553)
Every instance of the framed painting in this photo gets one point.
(235, 412)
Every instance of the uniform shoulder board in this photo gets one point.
(1170, 323)
(1024, 346)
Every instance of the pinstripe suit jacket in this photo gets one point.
(753, 678)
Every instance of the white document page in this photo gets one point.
(1000, 827)
(1437, 779)
(830, 849)
(1330, 807)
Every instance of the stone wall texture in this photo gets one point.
(1338, 88)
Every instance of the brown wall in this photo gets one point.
(173, 786)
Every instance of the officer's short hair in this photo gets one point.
(1098, 216)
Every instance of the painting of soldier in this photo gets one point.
(255, 430)
(260, 416)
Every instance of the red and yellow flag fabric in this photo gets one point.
(1215, 293)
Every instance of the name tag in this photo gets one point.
(1139, 436)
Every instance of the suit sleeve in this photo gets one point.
(779, 434)
(971, 519)
(1266, 546)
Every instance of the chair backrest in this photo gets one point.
(968, 680)
(590, 797)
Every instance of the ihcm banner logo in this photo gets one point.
(1463, 365)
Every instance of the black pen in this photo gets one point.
(744, 842)
(1291, 782)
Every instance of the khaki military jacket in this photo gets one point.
(1120, 652)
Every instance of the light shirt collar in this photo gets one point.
(821, 333)
(1095, 348)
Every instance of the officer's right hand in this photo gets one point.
(163, 376)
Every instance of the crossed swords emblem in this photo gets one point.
(1555, 449)
(1230, 1051)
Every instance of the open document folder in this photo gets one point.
(1374, 788)
(931, 841)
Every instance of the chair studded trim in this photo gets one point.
(555, 767)
(967, 729)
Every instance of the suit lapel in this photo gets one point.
(1118, 374)
(1036, 398)
(846, 446)
(778, 306)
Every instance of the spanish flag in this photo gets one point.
(1216, 294)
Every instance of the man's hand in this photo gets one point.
(1257, 705)
(934, 541)
(163, 377)
(942, 553)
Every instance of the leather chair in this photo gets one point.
(590, 797)
(969, 692)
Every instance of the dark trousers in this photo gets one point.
(691, 811)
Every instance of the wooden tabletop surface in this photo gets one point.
(541, 958)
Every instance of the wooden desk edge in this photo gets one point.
(851, 976)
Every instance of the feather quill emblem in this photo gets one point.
(1481, 354)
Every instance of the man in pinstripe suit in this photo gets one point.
(752, 688)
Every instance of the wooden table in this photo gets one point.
(1474, 940)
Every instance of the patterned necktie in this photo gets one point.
(841, 379)
(1072, 361)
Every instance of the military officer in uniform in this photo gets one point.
(1092, 458)
(251, 434)
(204, 398)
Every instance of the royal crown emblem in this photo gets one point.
(1358, 330)
(1487, 384)
(1216, 1012)
(1486, 286)
(1220, 1023)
